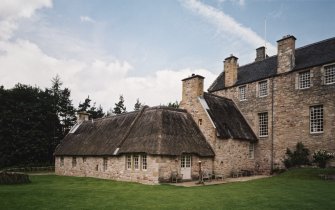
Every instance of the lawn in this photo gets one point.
(296, 189)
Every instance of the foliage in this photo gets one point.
(119, 106)
(13, 178)
(138, 105)
(173, 104)
(297, 188)
(30, 128)
(321, 157)
(93, 111)
(298, 157)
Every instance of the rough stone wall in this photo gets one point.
(286, 54)
(230, 69)
(159, 168)
(291, 109)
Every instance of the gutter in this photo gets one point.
(272, 124)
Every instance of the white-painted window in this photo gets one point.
(128, 162)
(105, 163)
(251, 153)
(144, 162)
(263, 124)
(61, 161)
(136, 159)
(330, 74)
(242, 92)
(263, 88)
(316, 119)
(304, 80)
(74, 161)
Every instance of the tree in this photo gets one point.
(137, 105)
(84, 107)
(173, 104)
(119, 106)
(96, 112)
(298, 157)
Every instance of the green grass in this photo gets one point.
(297, 189)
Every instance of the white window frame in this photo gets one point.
(263, 124)
(105, 163)
(129, 163)
(304, 80)
(331, 68)
(251, 151)
(144, 162)
(316, 119)
(136, 161)
(242, 90)
(261, 92)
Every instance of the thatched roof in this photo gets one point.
(156, 131)
(227, 119)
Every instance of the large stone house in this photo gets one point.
(246, 120)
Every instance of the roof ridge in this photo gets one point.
(315, 43)
(248, 64)
(221, 97)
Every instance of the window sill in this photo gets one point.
(264, 136)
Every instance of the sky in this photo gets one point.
(144, 48)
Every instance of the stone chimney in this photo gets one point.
(82, 116)
(230, 67)
(286, 54)
(260, 54)
(193, 87)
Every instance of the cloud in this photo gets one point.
(86, 19)
(13, 10)
(239, 2)
(228, 25)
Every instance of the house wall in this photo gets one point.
(159, 168)
(291, 107)
(230, 154)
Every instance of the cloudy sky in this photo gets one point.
(143, 48)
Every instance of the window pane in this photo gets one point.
(144, 162)
(136, 162)
(263, 88)
(128, 159)
(330, 74)
(304, 80)
(263, 124)
(316, 119)
(242, 93)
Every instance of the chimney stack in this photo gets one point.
(260, 54)
(286, 54)
(193, 87)
(82, 116)
(230, 68)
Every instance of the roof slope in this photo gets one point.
(228, 120)
(319, 53)
(156, 131)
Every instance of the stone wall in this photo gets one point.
(291, 107)
(159, 168)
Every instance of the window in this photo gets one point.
(84, 159)
(316, 119)
(128, 162)
(263, 124)
(304, 80)
(74, 161)
(136, 162)
(144, 162)
(263, 88)
(251, 151)
(200, 122)
(61, 161)
(330, 74)
(105, 162)
(242, 91)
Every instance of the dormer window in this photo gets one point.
(263, 88)
(304, 80)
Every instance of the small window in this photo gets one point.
(316, 119)
(263, 88)
(304, 80)
(84, 159)
(128, 162)
(263, 124)
(74, 161)
(144, 162)
(105, 163)
(61, 161)
(199, 122)
(136, 162)
(251, 153)
(330, 74)
(242, 92)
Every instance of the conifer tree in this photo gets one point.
(119, 106)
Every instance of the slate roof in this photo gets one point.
(315, 54)
(227, 119)
(155, 131)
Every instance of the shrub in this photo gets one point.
(298, 157)
(321, 157)
(13, 178)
